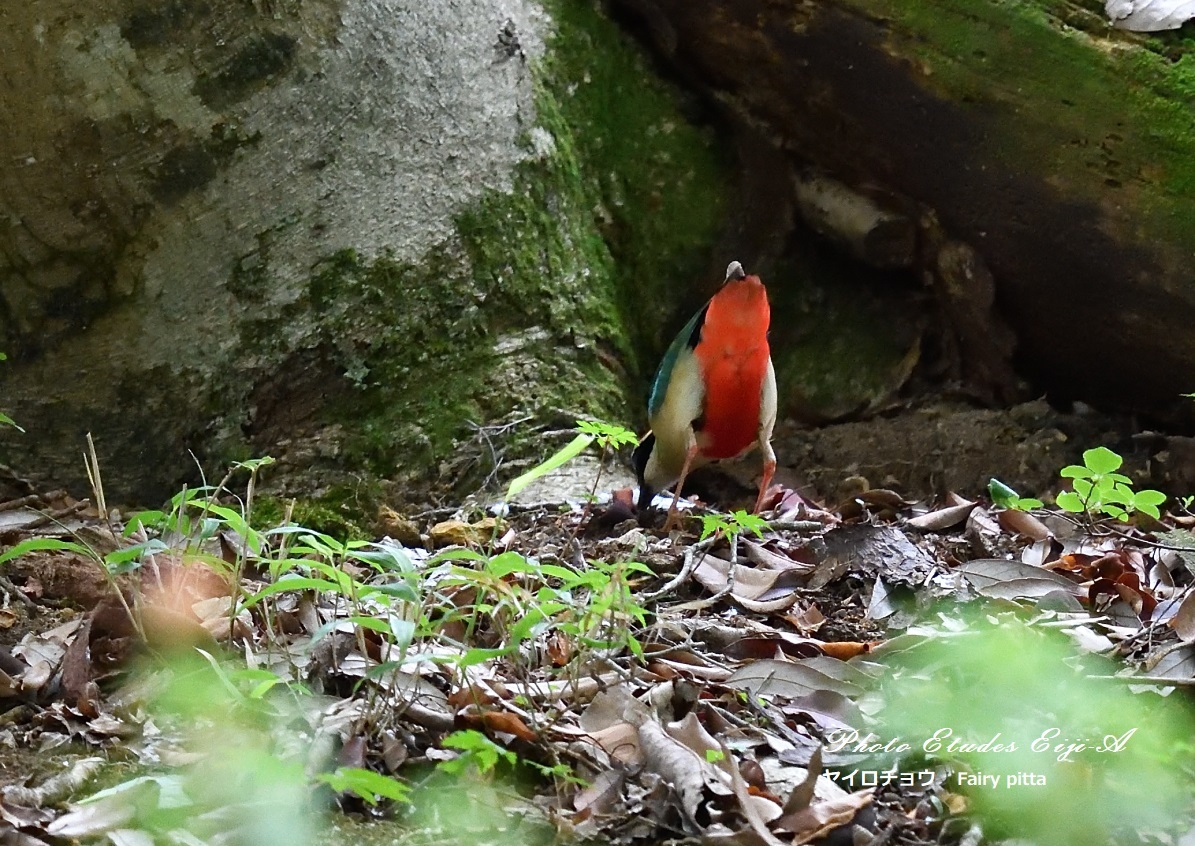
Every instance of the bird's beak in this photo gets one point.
(734, 271)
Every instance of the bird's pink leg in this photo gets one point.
(672, 520)
(769, 470)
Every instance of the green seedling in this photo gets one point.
(476, 750)
(1099, 490)
(1005, 497)
(370, 786)
(732, 525)
(607, 435)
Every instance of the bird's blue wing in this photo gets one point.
(688, 338)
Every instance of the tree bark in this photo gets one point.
(333, 231)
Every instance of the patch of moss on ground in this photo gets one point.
(336, 515)
(1099, 109)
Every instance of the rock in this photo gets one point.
(460, 533)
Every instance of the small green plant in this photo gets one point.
(732, 525)
(476, 750)
(1099, 490)
(370, 786)
(1005, 497)
(607, 435)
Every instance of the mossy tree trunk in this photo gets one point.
(333, 231)
(1033, 141)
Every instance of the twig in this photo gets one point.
(14, 504)
(1163, 680)
(691, 562)
(795, 526)
(55, 516)
(702, 604)
(12, 590)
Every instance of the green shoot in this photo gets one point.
(1099, 490)
(370, 786)
(732, 525)
(476, 750)
(607, 435)
(1005, 497)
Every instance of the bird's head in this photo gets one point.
(644, 458)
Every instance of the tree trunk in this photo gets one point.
(333, 231)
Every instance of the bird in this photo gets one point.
(714, 395)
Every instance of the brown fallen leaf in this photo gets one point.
(621, 742)
(1183, 621)
(679, 766)
(495, 721)
(820, 818)
(602, 794)
(788, 678)
(1023, 523)
(757, 811)
(943, 518)
(758, 590)
(802, 795)
(808, 621)
(844, 650)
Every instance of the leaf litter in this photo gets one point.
(725, 690)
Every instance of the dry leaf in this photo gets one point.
(1023, 523)
(943, 518)
(787, 678)
(1183, 621)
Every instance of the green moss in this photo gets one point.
(1065, 93)
(658, 182)
(549, 290)
(339, 514)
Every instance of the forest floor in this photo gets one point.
(868, 666)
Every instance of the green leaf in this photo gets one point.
(148, 519)
(289, 583)
(1027, 504)
(503, 565)
(399, 590)
(1001, 494)
(1148, 497)
(1102, 460)
(1069, 501)
(455, 555)
(132, 554)
(39, 544)
(570, 451)
(367, 784)
(1115, 511)
(1074, 471)
(8, 421)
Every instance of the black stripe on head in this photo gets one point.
(639, 458)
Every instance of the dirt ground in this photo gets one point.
(702, 694)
